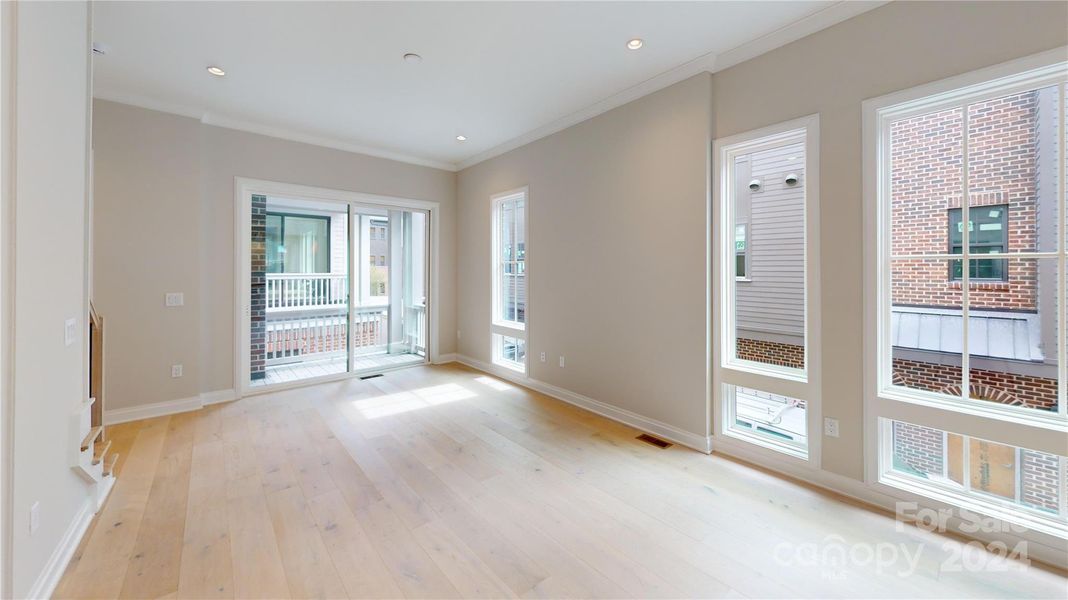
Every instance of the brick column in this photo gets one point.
(258, 305)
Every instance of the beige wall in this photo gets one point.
(164, 219)
(49, 377)
(617, 254)
(618, 202)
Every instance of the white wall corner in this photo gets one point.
(57, 563)
(632, 419)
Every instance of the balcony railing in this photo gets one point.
(290, 291)
(307, 320)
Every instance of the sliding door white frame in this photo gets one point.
(244, 189)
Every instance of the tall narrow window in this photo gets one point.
(966, 387)
(509, 320)
(766, 262)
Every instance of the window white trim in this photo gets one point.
(500, 328)
(1015, 426)
(727, 370)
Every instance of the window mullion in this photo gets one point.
(1062, 267)
(965, 270)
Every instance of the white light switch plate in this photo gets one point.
(175, 299)
(176, 370)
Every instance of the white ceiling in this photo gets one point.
(500, 73)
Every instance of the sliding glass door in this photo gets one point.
(333, 288)
(390, 295)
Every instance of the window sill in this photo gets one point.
(981, 285)
(511, 365)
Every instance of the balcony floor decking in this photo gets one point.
(333, 366)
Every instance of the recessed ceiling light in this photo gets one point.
(634, 44)
(216, 71)
(461, 138)
(413, 58)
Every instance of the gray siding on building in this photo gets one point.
(772, 301)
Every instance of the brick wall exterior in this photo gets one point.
(919, 447)
(923, 449)
(771, 353)
(927, 158)
(258, 300)
(1038, 476)
(995, 386)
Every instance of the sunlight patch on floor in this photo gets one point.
(496, 384)
(402, 402)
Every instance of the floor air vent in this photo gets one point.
(371, 376)
(648, 439)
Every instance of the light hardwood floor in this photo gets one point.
(441, 482)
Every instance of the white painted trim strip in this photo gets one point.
(215, 120)
(620, 415)
(57, 563)
(168, 407)
(822, 19)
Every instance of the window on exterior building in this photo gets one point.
(988, 226)
(964, 178)
(298, 243)
(741, 253)
(766, 316)
(509, 319)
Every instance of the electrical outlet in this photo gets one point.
(830, 427)
(542, 357)
(176, 370)
(174, 299)
(561, 361)
(35, 517)
(70, 330)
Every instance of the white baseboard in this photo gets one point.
(218, 396)
(57, 563)
(445, 358)
(169, 407)
(621, 415)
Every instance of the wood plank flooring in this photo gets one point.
(443, 482)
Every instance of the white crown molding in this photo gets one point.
(656, 83)
(216, 120)
(326, 142)
(832, 15)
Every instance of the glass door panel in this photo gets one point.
(299, 290)
(389, 317)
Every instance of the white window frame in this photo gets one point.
(500, 328)
(884, 402)
(727, 370)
